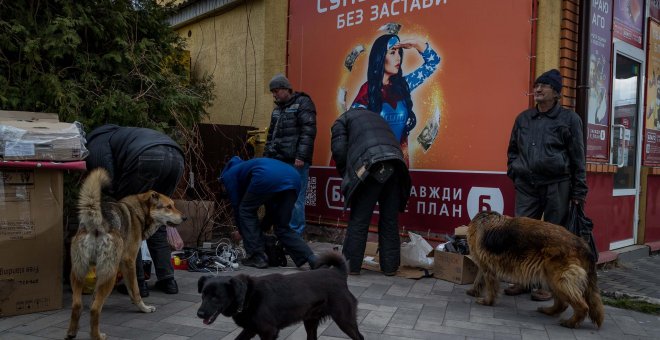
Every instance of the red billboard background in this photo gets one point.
(471, 99)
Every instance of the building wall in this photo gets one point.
(242, 48)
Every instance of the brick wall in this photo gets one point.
(568, 51)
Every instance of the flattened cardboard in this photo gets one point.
(454, 267)
(32, 237)
(370, 262)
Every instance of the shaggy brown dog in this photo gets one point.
(264, 305)
(528, 251)
(109, 237)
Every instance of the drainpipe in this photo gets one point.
(582, 100)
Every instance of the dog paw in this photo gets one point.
(472, 292)
(569, 323)
(101, 336)
(484, 302)
(145, 308)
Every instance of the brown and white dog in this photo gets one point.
(529, 252)
(109, 236)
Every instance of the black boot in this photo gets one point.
(142, 285)
(167, 286)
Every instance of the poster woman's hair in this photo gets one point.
(375, 73)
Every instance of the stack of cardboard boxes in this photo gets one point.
(31, 208)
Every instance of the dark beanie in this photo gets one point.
(279, 81)
(552, 78)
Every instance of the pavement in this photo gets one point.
(389, 308)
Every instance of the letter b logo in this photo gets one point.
(484, 199)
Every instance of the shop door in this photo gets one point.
(626, 134)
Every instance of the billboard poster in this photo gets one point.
(652, 108)
(654, 7)
(466, 86)
(629, 21)
(600, 48)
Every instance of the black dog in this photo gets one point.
(264, 305)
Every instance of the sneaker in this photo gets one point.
(516, 289)
(255, 261)
(541, 295)
(167, 286)
(142, 285)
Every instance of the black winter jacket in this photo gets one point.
(292, 130)
(361, 138)
(118, 148)
(547, 148)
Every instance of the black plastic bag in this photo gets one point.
(581, 225)
(275, 251)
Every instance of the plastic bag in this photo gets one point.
(581, 225)
(174, 239)
(413, 253)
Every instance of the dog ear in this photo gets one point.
(201, 281)
(240, 291)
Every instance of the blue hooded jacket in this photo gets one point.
(257, 176)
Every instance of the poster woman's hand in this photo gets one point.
(419, 45)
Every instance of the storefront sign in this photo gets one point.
(655, 9)
(600, 47)
(629, 21)
(439, 201)
(652, 109)
(466, 86)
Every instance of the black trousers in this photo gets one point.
(362, 205)
(549, 201)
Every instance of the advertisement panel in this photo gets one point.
(629, 21)
(652, 131)
(465, 82)
(600, 48)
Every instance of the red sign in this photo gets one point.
(652, 108)
(439, 200)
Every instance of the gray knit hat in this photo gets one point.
(279, 81)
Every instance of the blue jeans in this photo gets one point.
(298, 214)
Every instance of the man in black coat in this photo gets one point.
(546, 160)
(371, 163)
(291, 137)
(138, 160)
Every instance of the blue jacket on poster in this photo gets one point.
(257, 176)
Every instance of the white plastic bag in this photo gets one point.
(413, 253)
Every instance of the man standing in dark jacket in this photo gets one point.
(291, 137)
(264, 181)
(373, 170)
(546, 160)
(138, 160)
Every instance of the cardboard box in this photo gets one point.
(199, 225)
(41, 141)
(454, 267)
(370, 262)
(31, 239)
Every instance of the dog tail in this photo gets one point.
(333, 259)
(592, 296)
(89, 199)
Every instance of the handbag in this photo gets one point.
(174, 239)
(579, 224)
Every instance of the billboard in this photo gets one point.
(467, 73)
(600, 49)
(652, 109)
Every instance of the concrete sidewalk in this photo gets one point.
(389, 308)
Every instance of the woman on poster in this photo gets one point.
(387, 91)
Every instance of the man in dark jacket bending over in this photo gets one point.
(275, 184)
(546, 160)
(138, 160)
(370, 161)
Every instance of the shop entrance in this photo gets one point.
(625, 152)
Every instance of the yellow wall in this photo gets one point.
(548, 35)
(242, 48)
